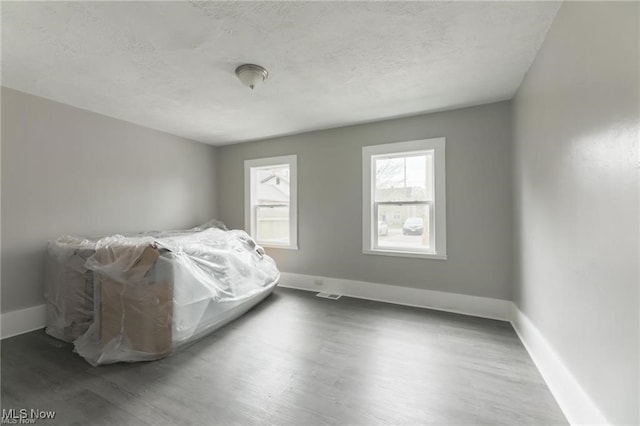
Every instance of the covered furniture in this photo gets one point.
(143, 296)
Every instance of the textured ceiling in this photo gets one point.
(170, 65)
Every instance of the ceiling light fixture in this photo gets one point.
(250, 74)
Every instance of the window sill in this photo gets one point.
(397, 253)
(276, 246)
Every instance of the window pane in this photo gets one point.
(272, 204)
(404, 178)
(272, 224)
(272, 185)
(404, 227)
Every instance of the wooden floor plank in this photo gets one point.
(297, 359)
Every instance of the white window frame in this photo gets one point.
(438, 209)
(250, 193)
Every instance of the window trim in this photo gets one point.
(249, 190)
(439, 216)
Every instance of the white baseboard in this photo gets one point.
(442, 301)
(22, 321)
(577, 406)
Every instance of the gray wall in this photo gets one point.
(70, 171)
(479, 203)
(576, 193)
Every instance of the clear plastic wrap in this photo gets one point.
(144, 296)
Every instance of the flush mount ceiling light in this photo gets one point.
(250, 74)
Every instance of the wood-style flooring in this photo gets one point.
(297, 359)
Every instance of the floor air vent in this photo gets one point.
(329, 296)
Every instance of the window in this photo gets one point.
(271, 201)
(404, 206)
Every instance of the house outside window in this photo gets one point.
(271, 201)
(404, 203)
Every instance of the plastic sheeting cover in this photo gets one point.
(143, 296)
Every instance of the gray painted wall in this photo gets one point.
(479, 202)
(576, 193)
(70, 171)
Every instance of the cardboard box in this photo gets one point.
(69, 288)
(136, 310)
(139, 315)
